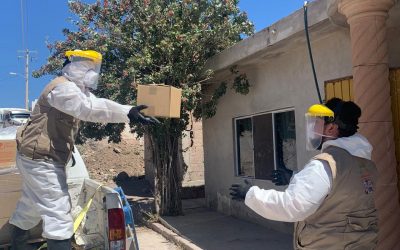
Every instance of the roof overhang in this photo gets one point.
(280, 37)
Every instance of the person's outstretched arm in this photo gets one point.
(305, 193)
(69, 99)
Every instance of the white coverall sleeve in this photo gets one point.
(305, 193)
(69, 98)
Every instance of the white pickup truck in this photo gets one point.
(102, 227)
(13, 117)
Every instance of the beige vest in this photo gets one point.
(347, 218)
(49, 134)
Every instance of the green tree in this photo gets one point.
(155, 41)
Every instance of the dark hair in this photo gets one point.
(346, 115)
(66, 62)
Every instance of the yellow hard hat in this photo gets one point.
(320, 110)
(90, 54)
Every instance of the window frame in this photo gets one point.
(236, 141)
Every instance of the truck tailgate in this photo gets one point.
(93, 229)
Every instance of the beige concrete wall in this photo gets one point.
(283, 81)
(148, 162)
(193, 157)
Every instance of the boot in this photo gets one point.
(19, 239)
(59, 244)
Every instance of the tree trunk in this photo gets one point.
(168, 174)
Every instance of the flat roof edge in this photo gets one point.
(269, 36)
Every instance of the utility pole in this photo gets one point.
(27, 79)
(27, 56)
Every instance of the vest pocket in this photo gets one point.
(43, 146)
(361, 233)
(355, 224)
(32, 138)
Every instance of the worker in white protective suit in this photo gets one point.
(46, 142)
(331, 199)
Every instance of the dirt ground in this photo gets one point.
(105, 161)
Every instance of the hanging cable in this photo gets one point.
(309, 50)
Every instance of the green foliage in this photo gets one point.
(153, 41)
(209, 108)
(240, 82)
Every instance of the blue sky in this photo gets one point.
(44, 20)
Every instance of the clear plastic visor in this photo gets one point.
(314, 131)
(87, 63)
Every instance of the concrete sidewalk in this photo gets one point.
(212, 230)
(201, 228)
(150, 240)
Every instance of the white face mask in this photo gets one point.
(91, 79)
(84, 73)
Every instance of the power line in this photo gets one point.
(26, 25)
(27, 53)
(22, 25)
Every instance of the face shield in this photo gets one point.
(315, 122)
(84, 68)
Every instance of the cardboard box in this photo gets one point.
(8, 150)
(162, 100)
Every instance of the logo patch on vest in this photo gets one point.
(368, 184)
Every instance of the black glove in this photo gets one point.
(239, 191)
(135, 116)
(281, 176)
